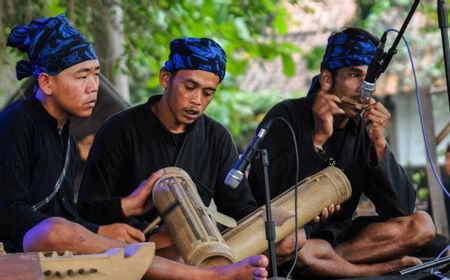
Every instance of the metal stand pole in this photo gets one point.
(270, 224)
(443, 25)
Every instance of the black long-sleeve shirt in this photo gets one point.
(384, 182)
(134, 143)
(32, 156)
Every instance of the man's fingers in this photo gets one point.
(323, 112)
(330, 210)
(154, 177)
(136, 234)
(378, 106)
(324, 214)
(327, 95)
(376, 116)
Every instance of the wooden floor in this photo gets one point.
(421, 276)
(418, 276)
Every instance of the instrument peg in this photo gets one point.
(92, 270)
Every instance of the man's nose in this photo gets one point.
(196, 97)
(93, 84)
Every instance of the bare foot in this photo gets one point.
(165, 247)
(390, 266)
(285, 248)
(253, 267)
(385, 267)
(403, 262)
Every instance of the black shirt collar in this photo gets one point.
(157, 98)
(46, 117)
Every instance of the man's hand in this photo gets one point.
(376, 118)
(324, 107)
(122, 232)
(138, 202)
(327, 212)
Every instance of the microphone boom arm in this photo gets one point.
(393, 50)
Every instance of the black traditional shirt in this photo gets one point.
(32, 156)
(385, 182)
(133, 144)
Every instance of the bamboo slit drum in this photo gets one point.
(192, 229)
(196, 234)
(328, 186)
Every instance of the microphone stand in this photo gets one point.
(443, 25)
(393, 50)
(269, 224)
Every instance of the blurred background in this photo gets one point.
(274, 48)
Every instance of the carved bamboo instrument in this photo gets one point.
(195, 232)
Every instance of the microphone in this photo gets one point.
(234, 177)
(374, 70)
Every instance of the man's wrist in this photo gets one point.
(380, 149)
(380, 145)
(125, 204)
(319, 140)
(319, 148)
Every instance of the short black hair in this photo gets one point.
(356, 31)
(172, 76)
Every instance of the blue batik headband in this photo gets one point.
(196, 54)
(345, 50)
(52, 45)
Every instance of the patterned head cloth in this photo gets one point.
(52, 45)
(345, 50)
(196, 54)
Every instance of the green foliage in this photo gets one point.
(244, 28)
(380, 15)
(247, 30)
(314, 58)
(423, 194)
(241, 112)
(418, 178)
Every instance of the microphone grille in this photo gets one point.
(233, 178)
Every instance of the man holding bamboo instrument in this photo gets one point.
(333, 128)
(38, 158)
(169, 130)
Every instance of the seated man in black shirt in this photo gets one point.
(168, 130)
(333, 128)
(38, 159)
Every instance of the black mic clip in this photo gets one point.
(374, 71)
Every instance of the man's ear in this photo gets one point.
(326, 80)
(45, 83)
(164, 77)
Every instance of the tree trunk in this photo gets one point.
(109, 44)
(436, 194)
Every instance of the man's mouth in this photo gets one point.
(91, 103)
(191, 113)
